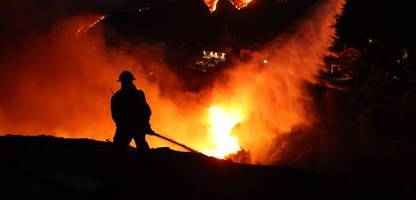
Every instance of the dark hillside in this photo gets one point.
(45, 167)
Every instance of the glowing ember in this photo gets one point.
(84, 28)
(212, 4)
(222, 121)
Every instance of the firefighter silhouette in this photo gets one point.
(131, 114)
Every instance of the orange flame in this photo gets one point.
(240, 3)
(222, 120)
(212, 4)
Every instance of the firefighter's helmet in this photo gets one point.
(126, 76)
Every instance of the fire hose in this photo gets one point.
(174, 142)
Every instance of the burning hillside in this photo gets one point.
(62, 84)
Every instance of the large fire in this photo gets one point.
(221, 121)
(69, 80)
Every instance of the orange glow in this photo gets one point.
(221, 121)
(63, 85)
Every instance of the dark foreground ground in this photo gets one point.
(45, 167)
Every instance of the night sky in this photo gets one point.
(21, 19)
(391, 21)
